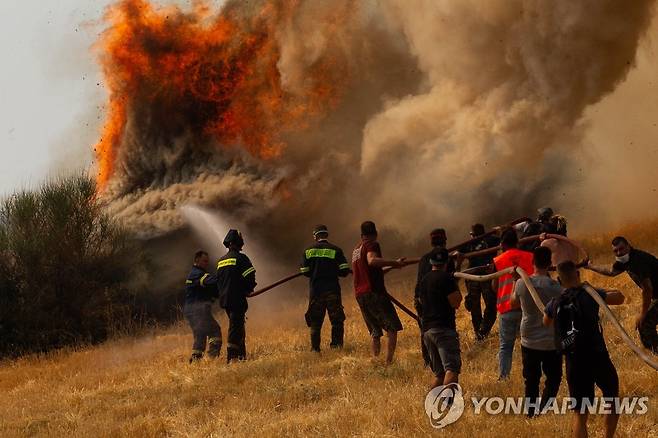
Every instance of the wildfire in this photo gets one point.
(217, 76)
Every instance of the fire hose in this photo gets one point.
(520, 220)
(273, 285)
(408, 262)
(540, 305)
(402, 307)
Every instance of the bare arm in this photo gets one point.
(515, 299)
(603, 270)
(455, 299)
(378, 262)
(548, 321)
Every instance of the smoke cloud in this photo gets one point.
(440, 114)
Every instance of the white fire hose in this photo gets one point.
(535, 297)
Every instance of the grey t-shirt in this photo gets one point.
(533, 332)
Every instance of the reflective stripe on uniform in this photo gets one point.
(344, 266)
(248, 271)
(227, 262)
(188, 282)
(504, 283)
(321, 252)
(304, 270)
(203, 278)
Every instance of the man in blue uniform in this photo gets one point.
(200, 291)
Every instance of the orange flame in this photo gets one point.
(223, 69)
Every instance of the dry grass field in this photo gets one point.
(145, 387)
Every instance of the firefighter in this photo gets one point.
(200, 292)
(236, 278)
(323, 263)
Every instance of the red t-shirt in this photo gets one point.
(367, 278)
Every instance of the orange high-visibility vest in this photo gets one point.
(511, 257)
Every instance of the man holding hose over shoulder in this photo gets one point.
(642, 267)
(579, 337)
(538, 346)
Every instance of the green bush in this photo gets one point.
(64, 268)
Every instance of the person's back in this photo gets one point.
(323, 263)
(587, 323)
(440, 296)
(479, 245)
(236, 278)
(575, 315)
(533, 332)
(367, 278)
(434, 290)
(509, 258)
(375, 304)
(510, 313)
(538, 349)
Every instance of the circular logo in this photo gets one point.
(444, 405)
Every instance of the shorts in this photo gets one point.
(378, 313)
(443, 346)
(588, 369)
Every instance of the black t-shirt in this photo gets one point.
(484, 243)
(590, 338)
(640, 265)
(435, 309)
(425, 267)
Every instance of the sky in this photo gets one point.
(50, 89)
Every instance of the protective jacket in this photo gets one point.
(323, 263)
(236, 277)
(200, 286)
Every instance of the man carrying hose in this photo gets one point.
(439, 297)
(538, 341)
(376, 307)
(477, 291)
(200, 292)
(236, 277)
(543, 224)
(438, 239)
(562, 250)
(323, 263)
(579, 336)
(509, 322)
(642, 267)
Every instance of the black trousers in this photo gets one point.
(534, 363)
(329, 303)
(482, 321)
(236, 348)
(648, 333)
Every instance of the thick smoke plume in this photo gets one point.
(296, 112)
